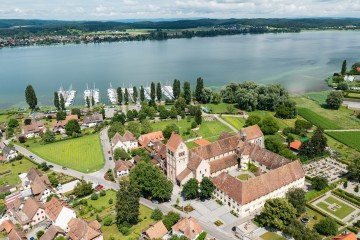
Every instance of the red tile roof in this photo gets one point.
(252, 132)
(7, 225)
(223, 163)
(174, 141)
(79, 229)
(202, 142)
(189, 227)
(350, 236)
(51, 233)
(296, 145)
(157, 230)
(53, 208)
(216, 148)
(145, 139)
(121, 165)
(245, 192)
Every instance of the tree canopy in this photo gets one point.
(319, 183)
(269, 125)
(72, 126)
(187, 92)
(296, 196)
(286, 110)
(30, 97)
(199, 89)
(334, 99)
(191, 189)
(127, 205)
(326, 226)
(206, 188)
(354, 168)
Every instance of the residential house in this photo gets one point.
(39, 184)
(150, 138)
(52, 232)
(27, 213)
(157, 230)
(33, 130)
(159, 153)
(79, 229)
(127, 141)
(12, 231)
(59, 213)
(217, 158)
(92, 120)
(9, 152)
(122, 168)
(8, 189)
(187, 227)
(253, 134)
(59, 126)
(349, 236)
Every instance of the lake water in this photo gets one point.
(299, 61)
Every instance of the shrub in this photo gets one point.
(111, 201)
(125, 231)
(201, 236)
(94, 196)
(156, 214)
(107, 222)
(39, 234)
(102, 193)
(193, 125)
(352, 229)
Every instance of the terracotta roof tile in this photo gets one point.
(296, 145)
(224, 135)
(51, 233)
(188, 226)
(53, 208)
(216, 148)
(79, 229)
(31, 206)
(183, 174)
(121, 165)
(17, 234)
(174, 141)
(350, 236)
(157, 230)
(252, 132)
(151, 137)
(223, 163)
(7, 225)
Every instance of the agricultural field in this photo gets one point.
(318, 97)
(342, 118)
(16, 168)
(316, 119)
(347, 153)
(351, 139)
(83, 154)
(237, 122)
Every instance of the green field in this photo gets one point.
(237, 122)
(347, 153)
(317, 120)
(343, 118)
(318, 97)
(182, 124)
(83, 154)
(191, 145)
(271, 236)
(219, 108)
(351, 139)
(343, 211)
(22, 166)
(212, 130)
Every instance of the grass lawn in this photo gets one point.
(237, 122)
(219, 108)
(191, 145)
(21, 166)
(341, 212)
(318, 97)
(212, 130)
(317, 120)
(311, 213)
(283, 123)
(182, 124)
(342, 117)
(351, 139)
(271, 236)
(243, 177)
(83, 154)
(347, 153)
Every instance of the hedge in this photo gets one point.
(352, 229)
(347, 196)
(201, 236)
(324, 214)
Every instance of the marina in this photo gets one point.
(112, 95)
(92, 94)
(68, 95)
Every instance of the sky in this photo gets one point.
(151, 9)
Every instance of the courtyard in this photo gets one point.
(328, 168)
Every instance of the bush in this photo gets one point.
(352, 229)
(201, 236)
(326, 226)
(111, 201)
(102, 193)
(125, 231)
(156, 214)
(107, 222)
(94, 196)
(193, 125)
(39, 234)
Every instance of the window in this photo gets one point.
(181, 154)
(37, 214)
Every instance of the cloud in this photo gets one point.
(122, 9)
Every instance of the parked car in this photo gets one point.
(110, 158)
(99, 188)
(50, 166)
(31, 156)
(64, 168)
(155, 201)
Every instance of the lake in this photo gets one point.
(299, 61)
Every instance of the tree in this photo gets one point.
(173, 112)
(356, 189)
(269, 125)
(152, 91)
(176, 89)
(334, 99)
(296, 196)
(319, 141)
(72, 126)
(342, 86)
(142, 93)
(216, 98)
(277, 213)
(247, 99)
(199, 89)
(30, 97)
(62, 102)
(60, 116)
(191, 189)
(127, 205)
(114, 128)
(13, 123)
(206, 188)
(319, 183)
(135, 94)
(146, 126)
(176, 237)
(48, 136)
(119, 117)
(126, 96)
(180, 104)
(206, 95)
(53, 180)
(87, 102)
(169, 129)
(252, 120)
(299, 231)
(343, 67)
(39, 234)
(120, 153)
(83, 189)
(158, 91)
(302, 125)
(326, 226)
(187, 92)
(345, 184)
(92, 101)
(119, 95)
(170, 219)
(198, 118)
(94, 196)
(56, 101)
(151, 182)
(163, 112)
(134, 128)
(354, 168)
(156, 214)
(76, 111)
(286, 110)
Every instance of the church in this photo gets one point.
(275, 175)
